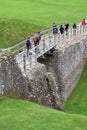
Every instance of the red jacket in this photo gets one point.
(83, 22)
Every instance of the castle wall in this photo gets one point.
(48, 83)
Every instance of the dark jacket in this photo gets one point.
(61, 29)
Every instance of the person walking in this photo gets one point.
(35, 39)
(28, 45)
(61, 29)
(38, 37)
(55, 29)
(74, 27)
(66, 28)
(83, 24)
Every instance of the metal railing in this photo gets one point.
(47, 42)
(19, 47)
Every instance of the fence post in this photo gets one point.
(65, 34)
(80, 28)
(71, 32)
(25, 48)
(8, 49)
(30, 59)
(43, 45)
(77, 31)
(54, 39)
(35, 58)
(59, 38)
(74, 31)
(86, 27)
(62, 38)
(49, 40)
(24, 61)
(17, 49)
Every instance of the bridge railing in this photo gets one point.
(45, 45)
(19, 47)
(48, 41)
(72, 33)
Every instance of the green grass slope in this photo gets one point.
(23, 115)
(13, 31)
(44, 12)
(77, 102)
(18, 19)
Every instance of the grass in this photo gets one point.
(43, 12)
(13, 31)
(18, 19)
(23, 115)
(77, 102)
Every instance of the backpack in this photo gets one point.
(39, 37)
(35, 40)
(55, 30)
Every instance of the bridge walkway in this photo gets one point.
(48, 41)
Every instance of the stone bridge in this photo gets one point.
(49, 75)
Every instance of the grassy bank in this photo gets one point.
(13, 31)
(18, 19)
(77, 102)
(23, 115)
(44, 12)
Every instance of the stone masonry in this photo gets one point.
(48, 83)
(34, 84)
(67, 65)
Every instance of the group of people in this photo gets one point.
(65, 27)
(36, 40)
(62, 28)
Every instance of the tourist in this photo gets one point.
(38, 37)
(55, 29)
(83, 24)
(61, 29)
(74, 26)
(35, 39)
(66, 27)
(28, 45)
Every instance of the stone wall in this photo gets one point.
(34, 84)
(11, 76)
(67, 66)
(47, 83)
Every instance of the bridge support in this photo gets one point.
(24, 61)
